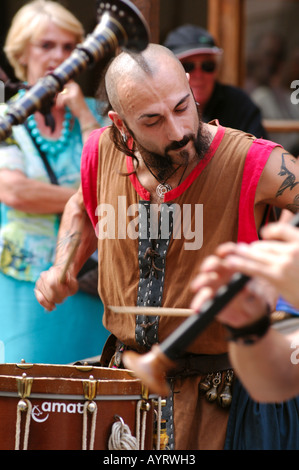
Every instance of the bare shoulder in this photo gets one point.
(280, 159)
(279, 182)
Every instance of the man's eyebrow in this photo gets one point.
(148, 116)
(152, 115)
(182, 100)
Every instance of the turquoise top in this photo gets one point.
(27, 240)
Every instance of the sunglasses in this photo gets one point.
(208, 66)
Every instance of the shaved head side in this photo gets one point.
(131, 67)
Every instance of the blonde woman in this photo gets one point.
(42, 35)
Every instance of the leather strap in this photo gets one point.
(151, 255)
(200, 365)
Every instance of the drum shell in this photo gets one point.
(57, 397)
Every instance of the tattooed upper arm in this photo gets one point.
(279, 182)
(289, 180)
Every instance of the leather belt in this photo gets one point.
(200, 364)
(189, 364)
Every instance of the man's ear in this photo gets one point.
(117, 121)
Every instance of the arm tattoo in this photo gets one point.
(295, 206)
(289, 181)
(64, 242)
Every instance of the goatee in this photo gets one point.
(163, 165)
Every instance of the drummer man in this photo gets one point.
(204, 184)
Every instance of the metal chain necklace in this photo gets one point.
(164, 187)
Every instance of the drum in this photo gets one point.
(54, 407)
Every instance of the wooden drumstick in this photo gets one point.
(153, 311)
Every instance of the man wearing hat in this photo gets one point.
(201, 58)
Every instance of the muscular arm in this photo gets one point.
(75, 223)
(279, 182)
(50, 289)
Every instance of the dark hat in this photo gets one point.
(190, 39)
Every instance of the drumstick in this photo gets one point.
(72, 253)
(153, 311)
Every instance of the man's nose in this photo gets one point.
(175, 131)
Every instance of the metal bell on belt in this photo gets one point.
(212, 394)
(206, 383)
(225, 397)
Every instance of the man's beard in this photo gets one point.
(163, 165)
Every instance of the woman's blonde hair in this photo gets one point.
(29, 22)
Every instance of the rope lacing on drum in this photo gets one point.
(120, 439)
(140, 428)
(89, 407)
(23, 405)
(159, 414)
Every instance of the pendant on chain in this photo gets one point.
(162, 189)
